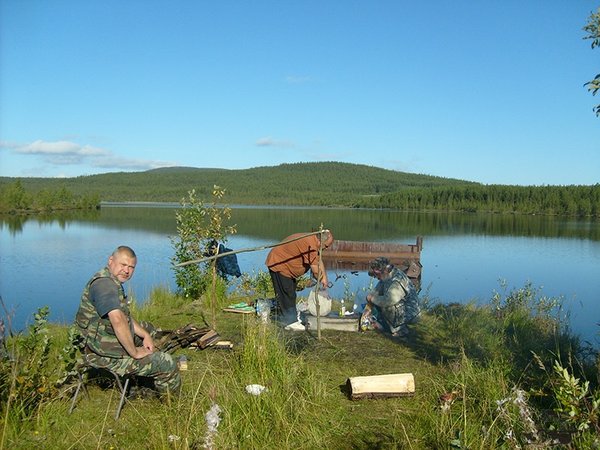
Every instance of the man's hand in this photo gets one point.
(324, 292)
(149, 344)
(325, 286)
(120, 324)
(141, 352)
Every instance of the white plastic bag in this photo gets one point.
(324, 304)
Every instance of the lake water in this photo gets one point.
(466, 257)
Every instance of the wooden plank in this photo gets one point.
(239, 311)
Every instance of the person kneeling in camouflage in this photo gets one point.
(394, 302)
(111, 338)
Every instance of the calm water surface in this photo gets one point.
(466, 257)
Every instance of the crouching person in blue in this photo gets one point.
(111, 338)
(394, 302)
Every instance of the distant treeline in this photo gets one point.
(14, 198)
(302, 184)
(581, 201)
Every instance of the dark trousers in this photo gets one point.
(285, 293)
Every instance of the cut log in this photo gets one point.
(223, 345)
(208, 339)
(381, 386)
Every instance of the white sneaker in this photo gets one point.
(296, 326)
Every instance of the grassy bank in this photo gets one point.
(503, 375)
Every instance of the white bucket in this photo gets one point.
(324, 304)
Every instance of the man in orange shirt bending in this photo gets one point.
(288, 262)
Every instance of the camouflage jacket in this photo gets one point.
(397, 293)
(97, 332)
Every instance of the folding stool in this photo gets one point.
(121, 382)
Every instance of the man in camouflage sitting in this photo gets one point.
(114, 340)
(394, 302)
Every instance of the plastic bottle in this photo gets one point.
(365, 322)
(263, 309)
(183, 362)
(343, 309)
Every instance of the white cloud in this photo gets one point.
(111, 162)
(58, 148)
(270, 142)
(63, 153)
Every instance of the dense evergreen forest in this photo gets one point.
(301, 184)
(16, 198)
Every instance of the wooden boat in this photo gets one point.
(355, 255)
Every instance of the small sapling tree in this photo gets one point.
(199, 226)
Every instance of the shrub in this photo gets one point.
(27, 376)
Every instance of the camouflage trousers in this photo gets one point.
(396, 318)
(159, 366)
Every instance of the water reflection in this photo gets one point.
(15, 223)
(267, 223)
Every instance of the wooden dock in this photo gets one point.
(355, 255)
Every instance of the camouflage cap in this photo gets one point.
(326, 236)
(379, 265)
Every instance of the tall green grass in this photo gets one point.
(507, 374)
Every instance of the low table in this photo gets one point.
(333, 322)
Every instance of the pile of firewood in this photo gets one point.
(187, 336)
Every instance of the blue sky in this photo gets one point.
(486, 91)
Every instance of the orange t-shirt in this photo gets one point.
(296, 258)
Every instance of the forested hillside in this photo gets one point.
(326, 184)
(304, 184)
